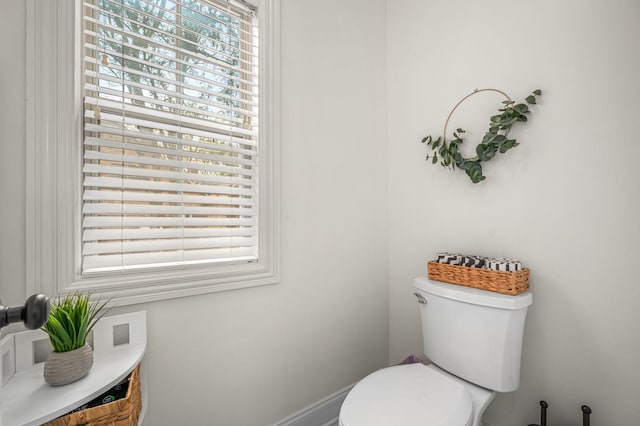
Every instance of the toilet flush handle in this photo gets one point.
(421, 299)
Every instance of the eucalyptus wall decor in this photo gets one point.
(495, 140)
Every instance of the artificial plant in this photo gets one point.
(72, 318)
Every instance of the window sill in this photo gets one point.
(151, 287)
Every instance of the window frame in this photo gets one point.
(54, 177)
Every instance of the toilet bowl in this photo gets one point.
(413, 395)
(473, 337)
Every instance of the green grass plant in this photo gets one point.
(72, 318)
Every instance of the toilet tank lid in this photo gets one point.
(474, 296)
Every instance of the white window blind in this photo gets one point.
(170, 134)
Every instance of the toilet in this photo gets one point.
(474, 340)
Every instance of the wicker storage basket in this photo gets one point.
(502, 282)
(122, 412)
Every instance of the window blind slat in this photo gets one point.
(118, 262)
(160, 233)
(155, 197)
(113, 208)
(145, 185)
(150, 245)
(137, 221)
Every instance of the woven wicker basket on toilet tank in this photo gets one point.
(502, 282)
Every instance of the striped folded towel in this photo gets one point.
(504, 264)
(450, 258)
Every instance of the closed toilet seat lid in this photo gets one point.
(407, 395)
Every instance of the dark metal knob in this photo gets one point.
(34, 314)
(36, 311)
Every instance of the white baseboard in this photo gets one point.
(321, 413)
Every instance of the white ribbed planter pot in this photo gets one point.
(62, 368)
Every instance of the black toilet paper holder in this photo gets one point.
(586, 414)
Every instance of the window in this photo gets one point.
(157, 157)
(170, 134)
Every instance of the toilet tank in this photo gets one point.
(473, 334)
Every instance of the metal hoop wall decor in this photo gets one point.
(495, 139)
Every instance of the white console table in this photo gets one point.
(119, 345)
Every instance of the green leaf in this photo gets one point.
(507, 123)
(471, 165)
(60, 337)
(427, 139)
(508, 145)
(530, 99)
(475, 173)
(58, 344)
(489, 137)
(537, 92)
(435, 159)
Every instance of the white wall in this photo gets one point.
(254, 356)
(12, 160)
(566, 201)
